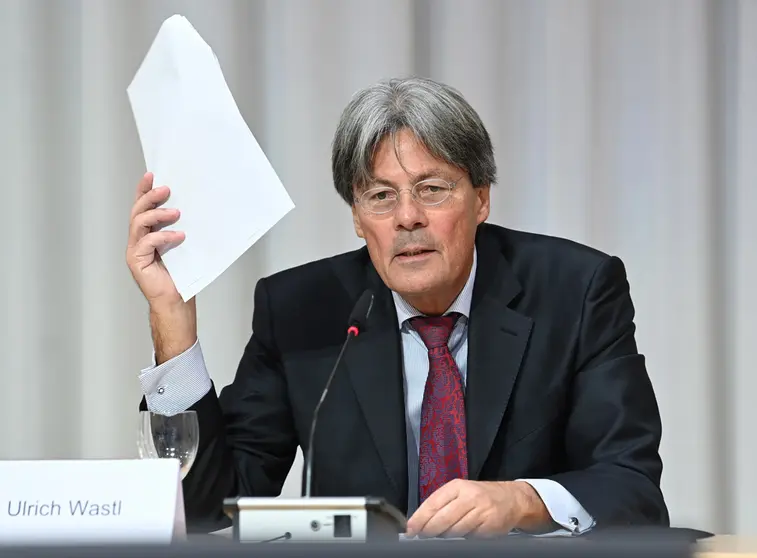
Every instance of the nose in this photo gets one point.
(408, 214)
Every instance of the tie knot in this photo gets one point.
(435, 330)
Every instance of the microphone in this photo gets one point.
(355, 326)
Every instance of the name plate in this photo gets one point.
(91, 502)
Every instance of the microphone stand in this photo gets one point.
(352, 331)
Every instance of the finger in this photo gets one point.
(150, 200)
(143, 223)
(466, 525)
(431, 507)
(144, 185)
(157, 241)
(451, 514)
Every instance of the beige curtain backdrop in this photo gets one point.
(630, 125)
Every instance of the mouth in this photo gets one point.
(414, 254)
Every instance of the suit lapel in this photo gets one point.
(497, 339)
(375, 369)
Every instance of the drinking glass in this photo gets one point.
(169, 436)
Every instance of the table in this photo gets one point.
(727, 546)
(723, 546)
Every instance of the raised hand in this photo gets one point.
(173, 321)
(142, 257)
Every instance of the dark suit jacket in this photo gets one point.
(556, 388)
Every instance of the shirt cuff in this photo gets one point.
(562, 506)
(177, 384)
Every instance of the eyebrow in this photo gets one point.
(425, 175)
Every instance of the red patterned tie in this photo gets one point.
(443, 451)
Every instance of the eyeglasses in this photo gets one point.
(383, 199)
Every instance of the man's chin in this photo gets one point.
(409, 286)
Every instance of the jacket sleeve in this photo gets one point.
(614, 428)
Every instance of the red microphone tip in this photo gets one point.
(353, 330)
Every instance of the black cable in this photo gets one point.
(285, 536)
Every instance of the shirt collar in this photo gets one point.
(461, 304)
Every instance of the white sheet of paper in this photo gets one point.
(196, 142)
(403, 538)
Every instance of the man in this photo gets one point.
(497, 385)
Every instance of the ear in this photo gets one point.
(482, 203)
(356, 222)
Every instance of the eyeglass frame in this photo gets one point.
(452, 186)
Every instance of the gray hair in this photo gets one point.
(435, 113)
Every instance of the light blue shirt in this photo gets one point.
(179, 383)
